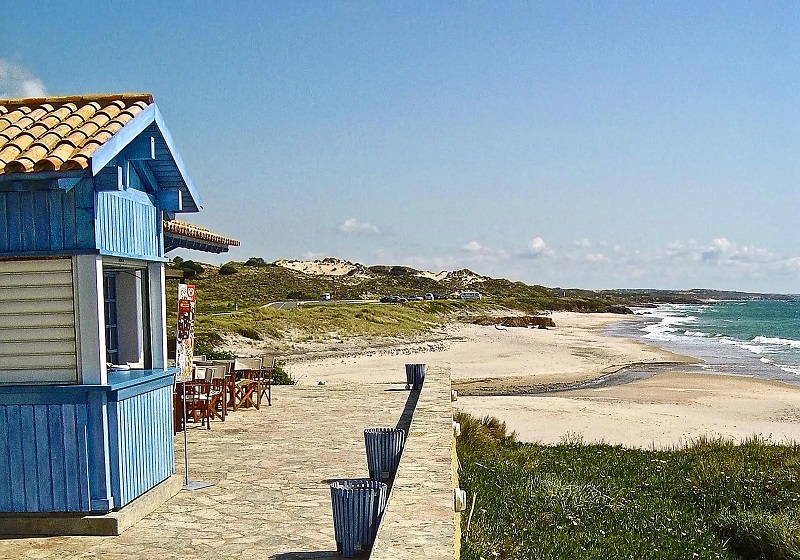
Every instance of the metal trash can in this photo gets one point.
(415, 375)
(384, 449)
(358, 506)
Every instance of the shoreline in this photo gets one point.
(467, 388)
(539, 381)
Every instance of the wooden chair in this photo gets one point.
(264, 376)
(229, 379)
(248, 387)
(254, 369)
(219, 391)
(200, 373)
(241, 364)
(248, 391)
(198, 402)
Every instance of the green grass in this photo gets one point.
(712, 499)
(320, 322)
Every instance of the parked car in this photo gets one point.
(325, 297)
(429, 296)
(470, 294)
(393, 299)
(414, 297)
(439, 296)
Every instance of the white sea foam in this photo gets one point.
(777, 341)
(680, 328)
(696, 334)
(665, 329)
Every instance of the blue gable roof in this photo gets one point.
(167, 168)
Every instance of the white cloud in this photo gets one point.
(357, 227)
(677, 265)
(537, 247)
(480, 254)
(582, 242)
(596, 258)
(18, 81)
(720, 252)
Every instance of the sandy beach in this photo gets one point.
(494, 369)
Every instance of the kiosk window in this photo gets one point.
(127, 317)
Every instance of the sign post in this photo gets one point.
(184, 354)
(184, 350)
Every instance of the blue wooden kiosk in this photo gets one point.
(86, 184)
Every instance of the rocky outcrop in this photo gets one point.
(618, 309)
(522, 321)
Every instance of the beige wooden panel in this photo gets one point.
(39, 362)
(37, 322)
(43, 333)
(45, 306)
(27, 266)
(37, 347)
(28, 293)
(35, 279)
(28, 375)
(34, 320)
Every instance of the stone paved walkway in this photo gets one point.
(270, 470)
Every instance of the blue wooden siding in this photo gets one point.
(142, 451)
(43, 464)
(127, 224)
(134, 181)
(38, 221)
(85, 448)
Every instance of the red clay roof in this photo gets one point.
(178, 227)
(61, 133)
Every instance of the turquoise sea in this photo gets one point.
(753, 338)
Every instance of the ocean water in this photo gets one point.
(752, 338)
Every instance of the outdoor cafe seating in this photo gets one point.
(219, 387)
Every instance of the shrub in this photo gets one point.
(282, 377)
(211, 352)
(255, 261)
(191, 265)
(228, 269)
(190, 268)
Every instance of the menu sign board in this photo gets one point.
(184, 350)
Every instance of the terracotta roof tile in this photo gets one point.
(196, 232)
(61, 133)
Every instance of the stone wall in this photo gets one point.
(419, 521)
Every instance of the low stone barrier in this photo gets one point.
(419, 521)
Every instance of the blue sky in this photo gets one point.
(574, 144)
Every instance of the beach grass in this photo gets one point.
(320, 322)
(710, 499)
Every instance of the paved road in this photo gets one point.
(293, 304)
(284, 304)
